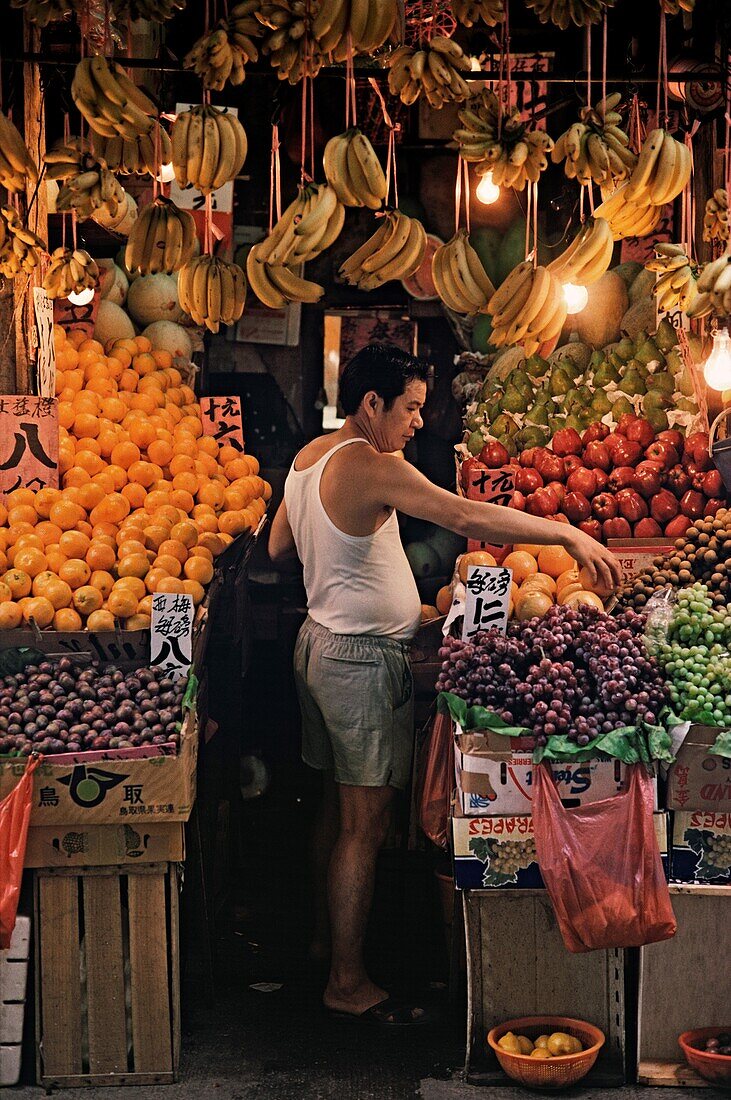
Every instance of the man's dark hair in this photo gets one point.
(383, 368)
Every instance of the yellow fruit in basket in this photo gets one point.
(100, 620)
(532, 603)
(539, 580)
(540, 1052)
(11, 615)
(569, 590)
(586, 599)
(40, 610)
(560, 1043)
(541, 1042)
(475, 557)
(554, 560)
(509, 1042)
(568, 577)
(67, 619)
(523, 565)
(526, 1046)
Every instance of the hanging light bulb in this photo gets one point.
(717, 370)
(81, 297)
(487, 192)
(576, 297)
(166, 173)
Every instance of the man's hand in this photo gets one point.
(601, 564)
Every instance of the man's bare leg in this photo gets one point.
(324, 838)
(364, 819)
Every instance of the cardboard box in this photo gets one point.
(496, 851)
(105, 845)
(701, 849)
(120, 786)
(661, 821)
(699, 780)
(638, 554)
(494, 776)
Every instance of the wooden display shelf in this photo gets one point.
(672, 1074)
(517, 965)
(107, 976)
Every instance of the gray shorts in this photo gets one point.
(356, 696)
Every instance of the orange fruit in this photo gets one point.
(122, 602)
(30, 560)
(100, 555)
(141, 431)
(75, 572)
(181, 462)
(66, 619)
(201, 552)
(11, 616)
(177, 549)
(212, 541)
(238, 467)
(475, 557)
(133, 565)
(40, 610)
(138, 622)
(523, 565)
(160, 452)
(554, 560)
(43, 501)
(20, 496)
(100, 620)
(153, 579)
(15, 532)
(144, 607)
(532, 603)
(135, 493)
(55, 558)
(170, 584)
(144, 473)
(56, 591)
(66, 515)
(170, 564)
(22, 513)
(194, 589)
(90, 495)
(5, 593)
(136, 584)
(567, 577)
(233, 523)
(112, 509)
(74, 544)
(198, 569)
(102, 580)
(207, 522)
(87, 599)
(180, 498)
(185, 532)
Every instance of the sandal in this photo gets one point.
(387, 1013)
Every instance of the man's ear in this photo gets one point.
(370, 402)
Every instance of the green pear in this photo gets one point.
(665, 337)
(509, 444)
(600, 404)
(475, 443)
(514, 401)
(520, 381)
(531, 436)
(674, 361)
(474, 423)
(585, 396)
(538, 414)
(536, 366)
(683, 404)
(604, 374)
(573, 420)
(542, 396)
(570, 400)
(649, 352)
(684, 383)
(555, 423)
(625, 349)
(586, 417)
(504, 425)
(663, 381)
(494, 409)
(560, 381)
(621, 406)
(597, 358)
(654, 401)
(658, 420)
(633, 383)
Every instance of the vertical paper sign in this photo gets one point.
(171, 643)
(221, 418)
(491, 487)
(28, 443)
(676, 316)
(488, 595)
(74, 318)
(46, 360)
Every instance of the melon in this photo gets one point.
(448, 546)
(640, 317)
(112, 323)
(153, 298)
(423, 559)
(600, 322)
(168, 336)
(481, 333)
(122, 221)
(113, 283)
(642, 286)
(420, 285)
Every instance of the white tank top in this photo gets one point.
(356, 584)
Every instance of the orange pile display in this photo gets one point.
(146, 501)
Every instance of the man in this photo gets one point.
(351, 659)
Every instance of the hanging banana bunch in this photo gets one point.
(395, 251)
(290, 44)
(109, 101)
(156, 11)
(715, 218)
(529, 308)
(43, 12)
(714, 289)
(588, 256)
(432, 69)
(276, 284)
(209, 148)
(70, 271)
(309, 225)
(469, 12)
(87, 184)
(220, 56)
(676, 286)
(211, 291)
(16, 165)
(596, 148)
(354, 171)
(459, 277)
(513, 153)
(662, 170)
(134, 156)
(20, 248)
(674, 7)
(162, 239)
(565, 12)
(369, 25)
(626, 217)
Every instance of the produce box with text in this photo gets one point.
(701, 850)
(700, 779)
(495, 851)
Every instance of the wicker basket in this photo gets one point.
(548, 1073)
(714, 1067)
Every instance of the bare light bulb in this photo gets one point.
(575, 296)
(81, 297)
(166, 174)
(717, 370)
(487, 192)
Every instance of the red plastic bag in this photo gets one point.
(601, 866)
(438, 780)
(14, 818)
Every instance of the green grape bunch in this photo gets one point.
(510, 856)
(718, 851)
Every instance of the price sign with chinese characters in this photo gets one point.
(74, 318)
(490, 487)
(46, 359)
(28, 443)
(171, 644)
(221, 418)
(488, 595)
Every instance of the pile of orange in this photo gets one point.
(146, 502)
(542, 576)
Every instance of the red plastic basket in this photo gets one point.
(549, 1073)
(714, 1067)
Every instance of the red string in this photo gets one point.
(466, 170)
(275, 180)
(393, 129)
(662, 68)
(587, 51)
(312, 126)
(604, 56)
(535, 225)
(528, 213)
(727, 149)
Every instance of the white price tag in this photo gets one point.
(46, 359)
(486, 603)
(222, 200)
(171, 643)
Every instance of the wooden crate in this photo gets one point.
(107, 976)
(684, 984)
(517, 965)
